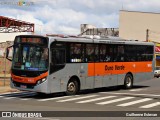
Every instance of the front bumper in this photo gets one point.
(42, 88)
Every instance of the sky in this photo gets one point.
(66, 16)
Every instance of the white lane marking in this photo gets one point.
(25, 99)
(9, 98)
(18, 94)
(9, 93)
(137, 90)
(115, 100)
(25, 94)
(53, 98)
(135, 102)
(153, 95)
(46, 119)
(77, 98)
(42, 118)
(96, 99)
(150, 105)
(29, 95)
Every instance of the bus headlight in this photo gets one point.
(41, 81)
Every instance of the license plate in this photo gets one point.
(23, 86)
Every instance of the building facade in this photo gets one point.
(4, 63)
(142, 26)
(134, 25)
(87, 29)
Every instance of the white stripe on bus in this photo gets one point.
(115, 100)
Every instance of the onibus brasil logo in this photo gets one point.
(24, 3)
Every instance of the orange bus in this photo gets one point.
(49, 64)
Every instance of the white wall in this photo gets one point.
(9, 36)
(133, 25)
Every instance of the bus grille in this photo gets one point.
(18, 84)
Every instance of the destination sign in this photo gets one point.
(32, 40)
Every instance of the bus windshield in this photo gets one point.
(30, 57)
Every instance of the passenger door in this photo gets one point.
(57, 59)
(57, 63)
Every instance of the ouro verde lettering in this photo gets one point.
(116, 67)
(119, 67)
(108, 67)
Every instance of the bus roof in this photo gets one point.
(92, 39)
(107, 40)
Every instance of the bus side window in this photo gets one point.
(58, 57)
(129, 52)
(53, 59)
(90, 53)
(76, 52)
(119, 53)
(102, 53)
(96, 56)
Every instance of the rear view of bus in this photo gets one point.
(30, 63)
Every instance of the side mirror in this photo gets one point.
(7, 53)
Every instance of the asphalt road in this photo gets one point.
(112, 103)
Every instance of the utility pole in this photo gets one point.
(147, 35)
(4, 71)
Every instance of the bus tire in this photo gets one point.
(128, 81)
(72, 87)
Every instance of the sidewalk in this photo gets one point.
(5, 75)
(4, 88)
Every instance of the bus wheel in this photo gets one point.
(128, 81)
(72, 87)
